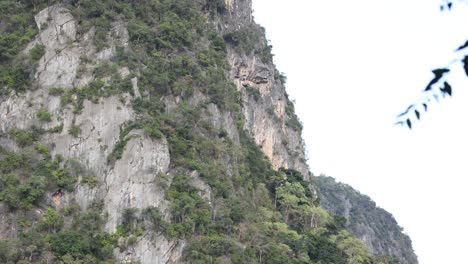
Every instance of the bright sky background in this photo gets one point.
(352, 66)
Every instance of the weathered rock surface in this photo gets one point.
(139, 178)
(131, 181)
(154, 250)
(266, 117)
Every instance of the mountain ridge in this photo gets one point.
(376, 227)
(153, 131)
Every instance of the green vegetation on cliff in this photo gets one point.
(254, 214)
(365, 220)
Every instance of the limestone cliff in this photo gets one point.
(269, 115)
(152, 131)
(70, 60)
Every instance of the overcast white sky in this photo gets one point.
(352, 66)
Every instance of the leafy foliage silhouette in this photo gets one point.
(439, 81)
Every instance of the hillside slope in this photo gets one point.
(152, 131)
(376, 227)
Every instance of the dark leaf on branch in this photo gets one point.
(447, 89)
(465, 65)
(418, 115)
(463, 46)
(439, 73)
(449, 5)
(408, 122)
(425, 107)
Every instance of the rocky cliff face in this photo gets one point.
(269, 115)
(152, 132)
(376, 227)
(70, 61)
(119, 185)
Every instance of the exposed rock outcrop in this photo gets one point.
(67, 63)
(266, 113)
(131, 143)
(119, 185)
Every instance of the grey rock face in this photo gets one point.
(266, 115)
(59, 64)
(152, 250)
(132, 181)
(129, 183)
